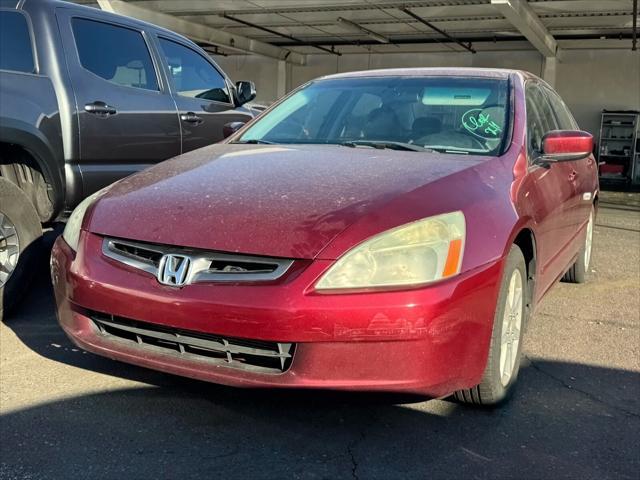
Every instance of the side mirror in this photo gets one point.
(245, 92)
(566, 145)
(230, 128)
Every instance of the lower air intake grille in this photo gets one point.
(252, 355)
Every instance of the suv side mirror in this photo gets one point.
(245, 92)
(566, 145)
(230, 128)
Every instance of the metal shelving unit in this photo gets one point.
(619, 147)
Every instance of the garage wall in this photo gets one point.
(588, 80)
(261, 70)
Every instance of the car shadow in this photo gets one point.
(195, 430)
(567, 420)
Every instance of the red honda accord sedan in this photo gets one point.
(387, 230)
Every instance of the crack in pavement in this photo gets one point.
(354, 462)
(583, 392)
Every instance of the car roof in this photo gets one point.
(500, 73)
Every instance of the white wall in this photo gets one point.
(588, 80)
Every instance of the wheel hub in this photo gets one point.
(511, 326)
(9, 248)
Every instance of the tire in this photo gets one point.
(578, 271)
(497, 383)
(20, 231)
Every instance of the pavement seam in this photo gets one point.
(354, 462)
(583, 392)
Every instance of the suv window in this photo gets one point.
(192, 75)
(15, 43)
(117, 54)
(563, 115)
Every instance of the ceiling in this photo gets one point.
(315, 23)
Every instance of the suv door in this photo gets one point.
(127, 118)
(201, 92)
(554, 192)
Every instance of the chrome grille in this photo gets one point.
(252, 355)
(205, 266)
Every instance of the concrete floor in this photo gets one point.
(576, 413)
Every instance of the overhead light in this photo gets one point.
(359, 28)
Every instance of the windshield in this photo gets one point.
(446, 114)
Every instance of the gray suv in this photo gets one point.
(86, 98)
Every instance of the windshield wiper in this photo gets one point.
(255, 141)
(409, 147)
(450, 150)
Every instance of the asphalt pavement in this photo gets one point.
(65, 413)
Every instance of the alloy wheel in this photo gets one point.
(511, 326)
(9, 248)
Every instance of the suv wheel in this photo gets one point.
(20, 230)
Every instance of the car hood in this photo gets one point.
(282, 201)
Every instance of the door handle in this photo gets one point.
(573, 175)
(191, 117)
(100, 108)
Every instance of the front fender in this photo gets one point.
(18, 132)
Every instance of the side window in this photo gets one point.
(547, 117)
(563, 115)
(357, 118)
(117, 54)
(366, 104)
(15, 43)
(192, 75)
(542, 122)
(534, 125)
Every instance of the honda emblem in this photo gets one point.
(174, 270)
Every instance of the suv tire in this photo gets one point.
(20, 232)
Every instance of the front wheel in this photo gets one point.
(503, 362)
(578, 271)
(20, 229)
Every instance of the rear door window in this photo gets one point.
(16, 53)
(116, 54)
(192, 75)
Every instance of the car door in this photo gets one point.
(553, 192)
(126, 116)
(201, 92)
(584, 171)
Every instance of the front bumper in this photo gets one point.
(431, 341)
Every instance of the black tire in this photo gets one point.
(578, 271)
(491, 390)
(15, 206)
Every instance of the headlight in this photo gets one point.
(71, 232)
(420, 252)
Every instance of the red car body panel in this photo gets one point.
(312, 204)
(288, 196)
(427, 341)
